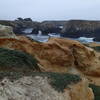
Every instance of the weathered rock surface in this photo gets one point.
(59, 55)
(38, 88)
(6, 31)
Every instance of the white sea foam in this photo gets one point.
(85, 40)
(28, 30)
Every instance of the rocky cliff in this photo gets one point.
(81, 28)
(58, 55)
(60, 69)
(71, 28)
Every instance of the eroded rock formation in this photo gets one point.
(59, 55)
(39, 88)
(63, 56)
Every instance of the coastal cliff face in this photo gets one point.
(81, 28)
(20, 25)
(54, 70)
(71, 28)
(66, 55)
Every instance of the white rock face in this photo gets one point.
(6, 31)
(29, 88)
(38, 88)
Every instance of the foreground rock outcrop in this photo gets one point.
(39, 87)
(58, 55)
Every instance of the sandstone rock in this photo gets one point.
(6, 31)
(59, 55)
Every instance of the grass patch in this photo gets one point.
(13, 59)
(96, 91)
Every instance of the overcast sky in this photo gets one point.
(50, 9)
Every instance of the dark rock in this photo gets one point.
(21, 24)
(72, 28)
(28, 19)
(81, 28)
(97, 39)
(21, 19)
(51, 26)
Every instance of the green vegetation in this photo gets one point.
(16, 64)
(97, 48)
(13, 59)
(58, 81)
(96, 91)
(87, 45)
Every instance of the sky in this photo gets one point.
(40, 10)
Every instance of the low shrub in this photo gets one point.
(96, 91)
(97, 48)
(13, 59)
(59, 81)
